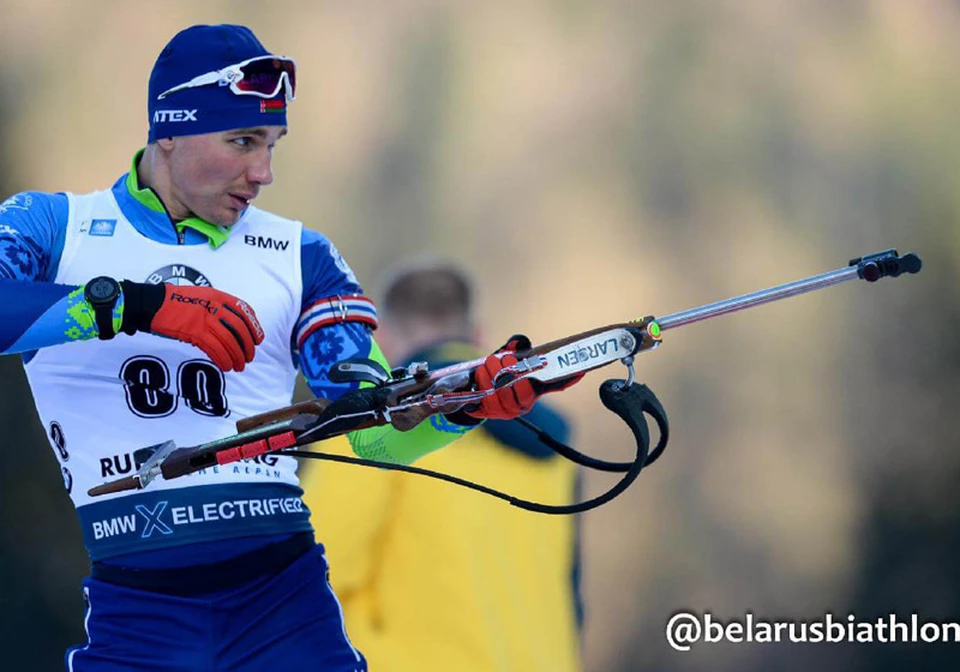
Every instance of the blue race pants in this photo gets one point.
(290, 621)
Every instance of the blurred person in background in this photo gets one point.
(433, 576)
(220, 569)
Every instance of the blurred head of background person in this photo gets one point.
(437, 577)
(428, 305)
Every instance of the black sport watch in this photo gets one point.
(102, 293)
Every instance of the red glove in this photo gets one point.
(510, 402)
(221, 325)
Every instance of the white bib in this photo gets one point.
(100, 401)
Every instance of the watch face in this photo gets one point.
(102, 289)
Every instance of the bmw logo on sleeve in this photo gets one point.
(178, 274)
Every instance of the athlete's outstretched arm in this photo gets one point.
(331, 344)
(37, 313)
(335, 324)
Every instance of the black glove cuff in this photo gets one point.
(141, 302)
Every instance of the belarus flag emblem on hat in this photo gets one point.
(273, 105)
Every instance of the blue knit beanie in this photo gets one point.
(211, 108)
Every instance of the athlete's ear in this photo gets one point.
(166, 144)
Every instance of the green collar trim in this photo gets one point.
(216, 235)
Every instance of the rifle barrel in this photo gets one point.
(745, 301)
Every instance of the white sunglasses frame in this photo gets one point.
(230, 75)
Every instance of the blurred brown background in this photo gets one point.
(592, 162)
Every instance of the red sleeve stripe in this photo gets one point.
(336, 310)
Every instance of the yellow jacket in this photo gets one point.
(436, 577)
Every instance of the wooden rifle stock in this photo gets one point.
(312, 406)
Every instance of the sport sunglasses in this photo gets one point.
(261, 76)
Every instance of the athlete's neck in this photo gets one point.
(152, 172)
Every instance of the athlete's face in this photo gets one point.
(215, 176)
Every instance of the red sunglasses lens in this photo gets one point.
(263, 76)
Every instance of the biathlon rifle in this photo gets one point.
(406, 396)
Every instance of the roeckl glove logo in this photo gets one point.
(161, 116)
(194, 301)
(242, 305)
